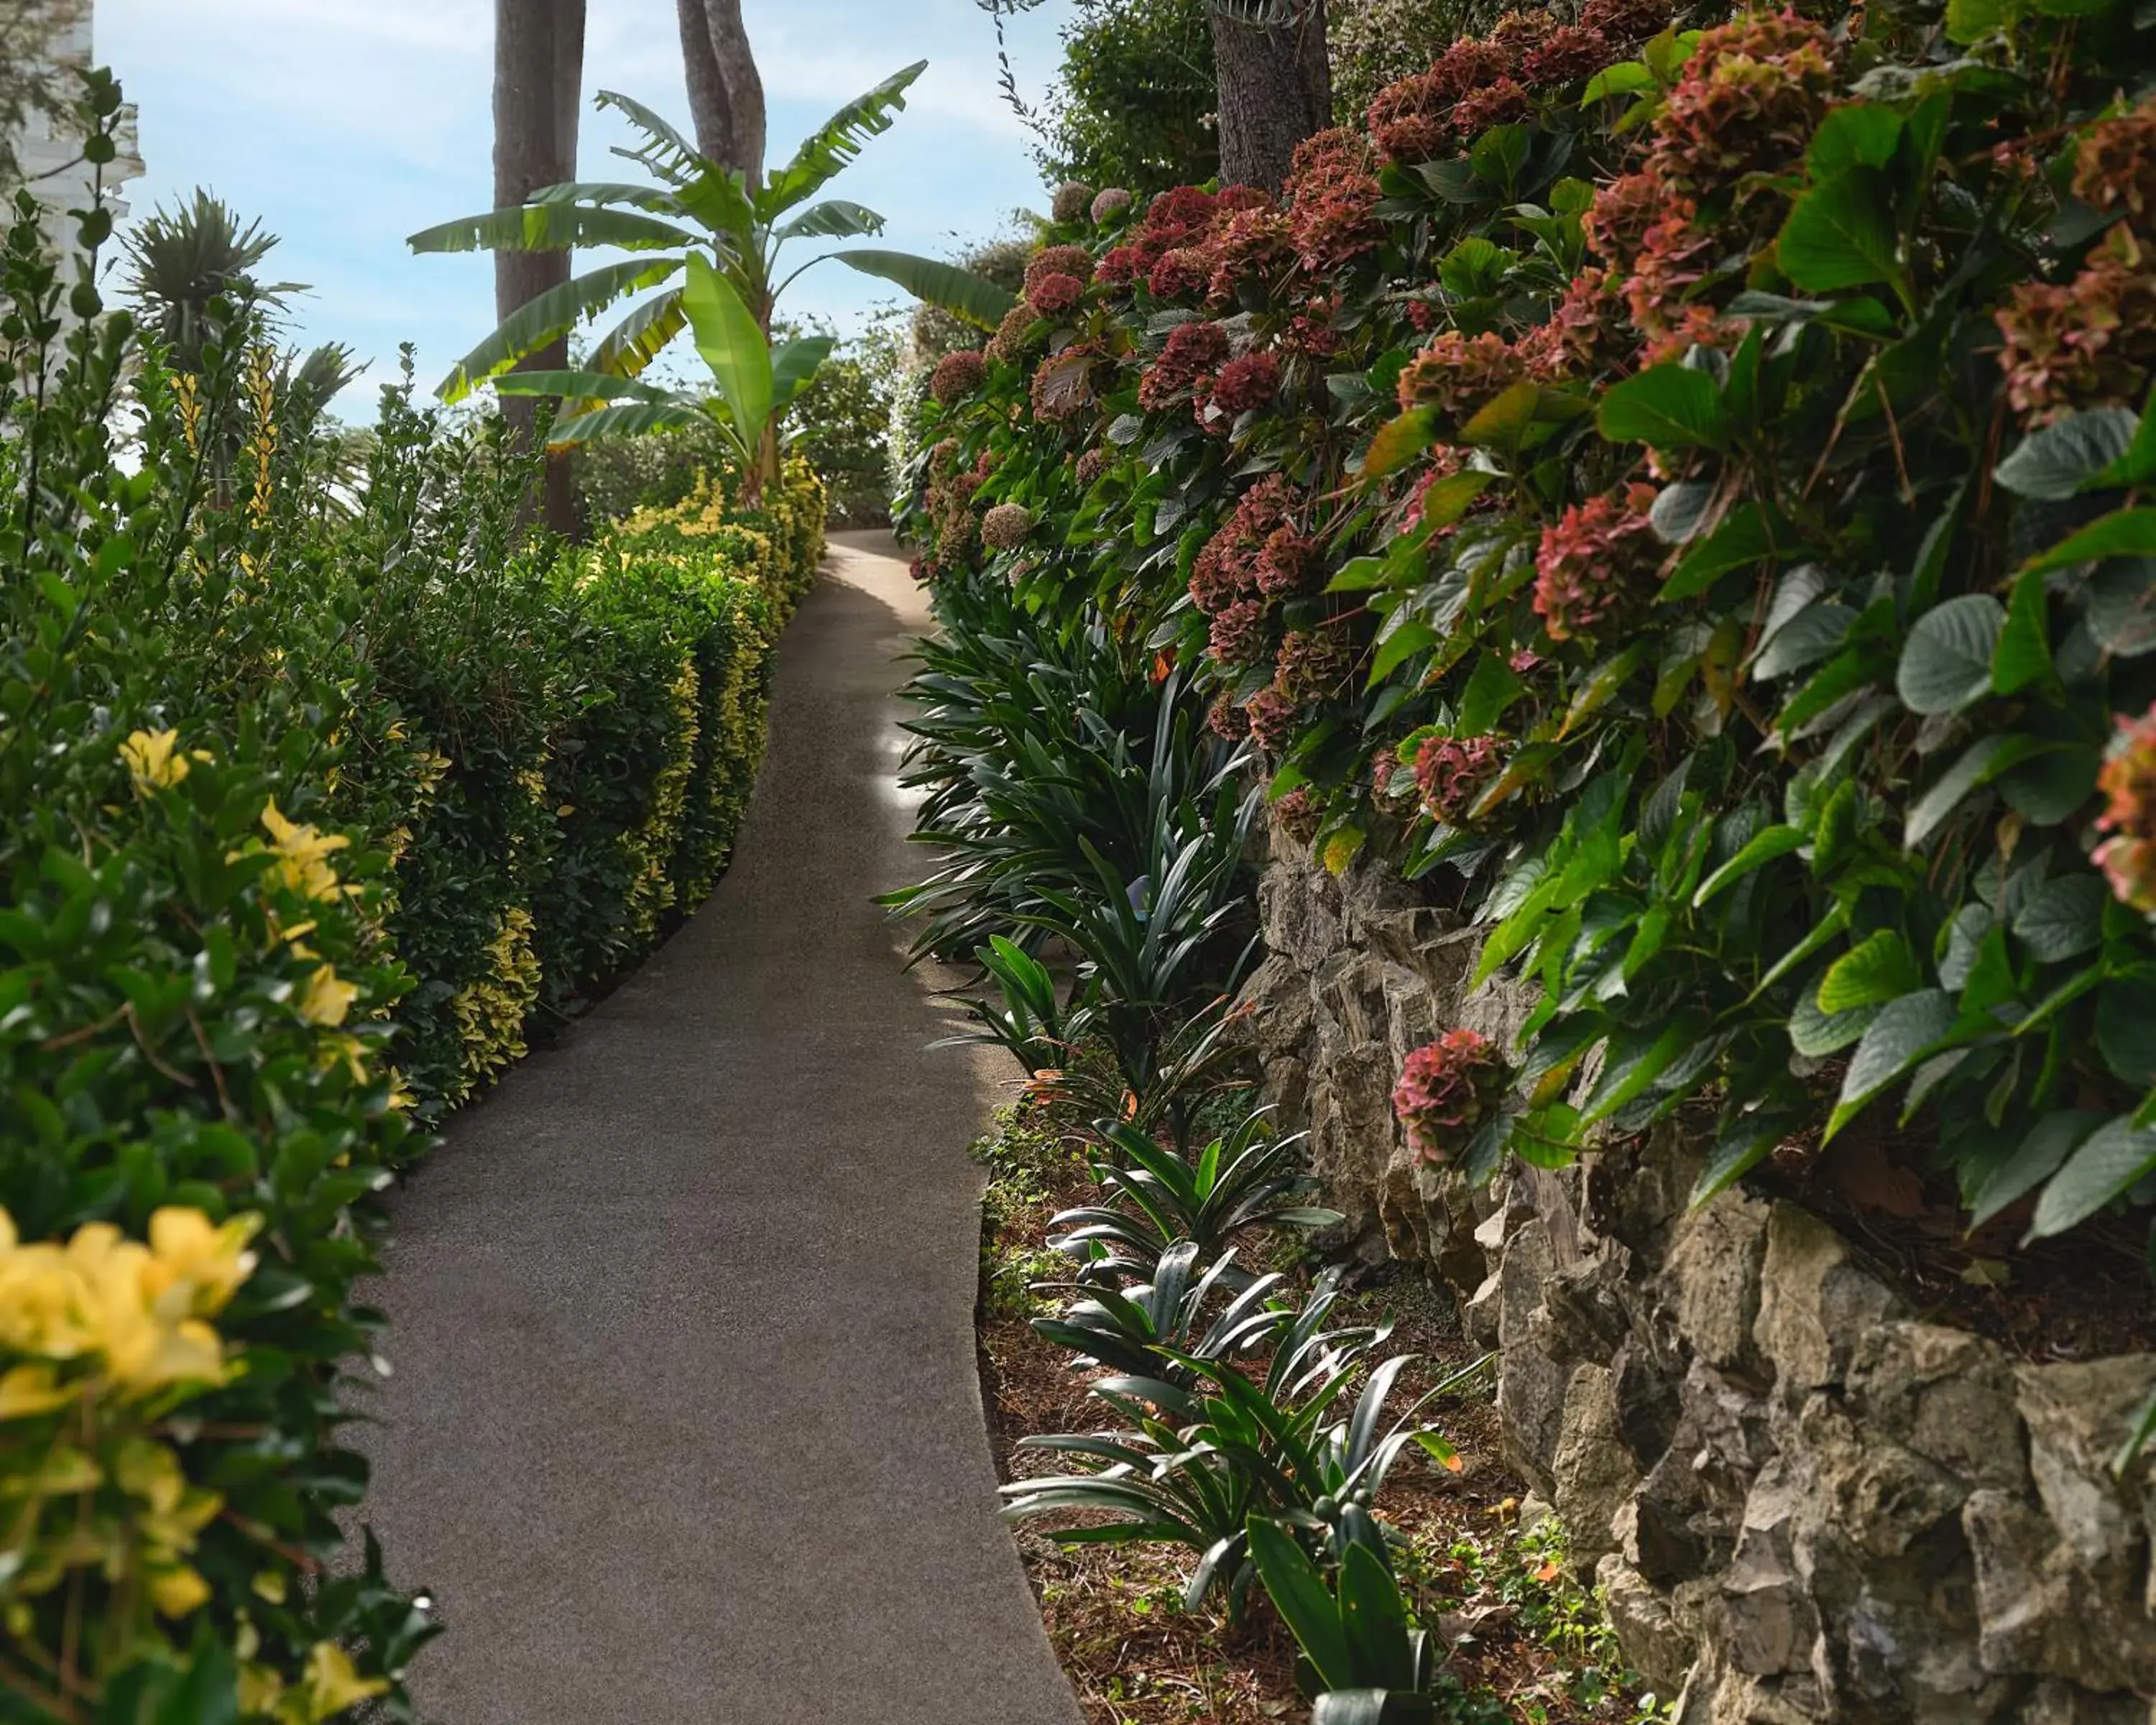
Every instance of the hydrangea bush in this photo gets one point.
(1712, 459)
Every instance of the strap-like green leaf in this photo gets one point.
(795, 365)
(621, 419)
(665, 151)
(635, 342)
(1299, 1593)
(732, 346)
(549, 316)
(837, 141)
(958, 292)
(583, 386)
(553, 227)
(834, 219)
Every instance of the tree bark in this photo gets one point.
(1275, 90)
(538, 77)
(726, 92)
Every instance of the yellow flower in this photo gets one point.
(177, 1591)
(330, 1684)
(203, 1262)
(302, 853)
(28, 1391)
(153, 761)
(325, 999)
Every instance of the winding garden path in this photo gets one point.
(684, 1425)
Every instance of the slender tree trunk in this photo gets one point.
(1275, 89)
(538, 76)
(726, 93)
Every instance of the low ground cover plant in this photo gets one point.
(315, 796)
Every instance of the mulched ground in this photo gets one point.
(1528, 1643)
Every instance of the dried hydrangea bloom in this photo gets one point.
(1183, 272)
(1285, 562)
(1752, 95)
(1014, 335)
(2115, 164)
(957, 376)
(1059, 260)
(1587, 331)
(1226, 720)
(1567, 55)
(1248, 245)
(2128, 779)
(1092, 465)
(1332, 198)
(1070, 202)
(1312, 664)
(1617, 221)
(1004, 528)
(1297, 814)
(1194, 350)
(1452, 771)
(1458, 373)
(1237, 633)
(1251, 380)
(1272, 714)
(1626, 21)
(1053, 295)
(1448, 1089)
(1111, 202)
(1595, 561)
(2089, 342)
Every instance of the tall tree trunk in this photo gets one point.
(1275, 90)
(726, 93)
(538, 76)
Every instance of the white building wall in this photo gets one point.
(51, 156)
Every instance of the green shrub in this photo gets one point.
(284, 779)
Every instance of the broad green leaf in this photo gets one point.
(825, 152)
(2064, 918)
(1399, 441)
(2109, 1162)
(1842, 234)
(584, 386)
(1947, 661)
(733, 346)
(2126, 1026)
(2034, 1160)
(834, 218)
(1670, 407)
(957, 291)
(1854, 135)
(553, 228)
(2121, 607)
(1805, 639)
(1680, 511)
(1905, 1032)
(2058, 460)
(1399, 643)
(631, 345)
(1374, 1620)
(1744, 538)
(1740, 1149)
(2023, 656)
(1625, 78)
(1760, 849)
(1877, 969)
(1603, 682)
(2123, 533)
(1980, 763)
(622, 419)
(547, 317)
(1492, 686)
(665, 151)
(795, 365)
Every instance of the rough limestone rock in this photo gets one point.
(1804, 1504)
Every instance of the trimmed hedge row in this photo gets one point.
(312, 795)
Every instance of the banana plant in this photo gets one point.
(693, 209)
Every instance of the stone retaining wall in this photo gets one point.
(1803, 1501)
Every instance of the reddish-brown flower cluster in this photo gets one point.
(1004, 528)
(1447, 1090)
(1412, 120)
(1297, 815)
(1237, 633)
(1183, 218)
(957, 376)
(1312, 664)
(1193, 350)
(1332, 200)
(1014, 335)
(1184, 272)
(1452, 771)
(1586, 332)
(1750, 98)
(1272, 713)
(1567, 55)
(1069, 202)
(2128, 778)
(1251, 380)
(1110, 203)
(1092, 465)
(1248, 245)
(1052, 295)
(2088, 342)
(1595, 562)
(949, 498)
(1073, 260)
(1286, 563)
(1457, 373)
(2115, 164)
(1624, 209)
(1244, 554)
(1226, 719)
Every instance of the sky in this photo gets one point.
(345, 125)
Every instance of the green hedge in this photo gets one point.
(312, 794)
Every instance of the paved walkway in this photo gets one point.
(685, 1428)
